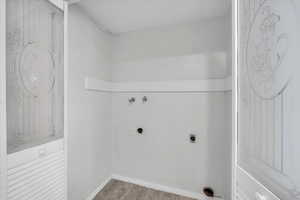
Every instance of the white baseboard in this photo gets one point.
(98, 189)
(163, 188)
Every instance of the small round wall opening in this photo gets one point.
(140, 131)
(193, 138)
(209, 192)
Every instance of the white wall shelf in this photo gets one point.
(210, 85)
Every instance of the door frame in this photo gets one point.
(3, 137)
(234, 50)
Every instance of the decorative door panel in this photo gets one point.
(269, 94)
(35, 61)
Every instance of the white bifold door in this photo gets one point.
(33, 163)
(268, 100)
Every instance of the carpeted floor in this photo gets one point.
(118, 190)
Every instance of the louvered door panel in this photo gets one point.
(40, 179)
(37, 173)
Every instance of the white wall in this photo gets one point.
(205, 42)
(164, 155)
(90, 141)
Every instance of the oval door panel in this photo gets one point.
(269, 108)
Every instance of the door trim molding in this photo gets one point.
(3, 136)
(234, 97)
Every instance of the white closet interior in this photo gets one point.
(142, 91)
(115, 68)
(182, 65)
